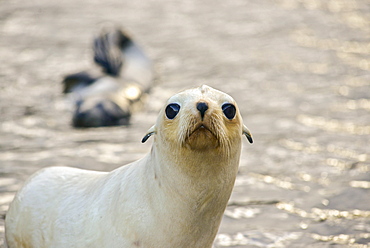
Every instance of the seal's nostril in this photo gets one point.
(202, 107)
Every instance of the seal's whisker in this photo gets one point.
(219, 131)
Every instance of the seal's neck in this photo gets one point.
(195, 187)
(214, 168)
(196, 176)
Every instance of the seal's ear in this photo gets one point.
(247, 134)
(150, 132)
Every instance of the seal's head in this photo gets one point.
(200, 119)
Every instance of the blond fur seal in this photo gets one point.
(173, 197)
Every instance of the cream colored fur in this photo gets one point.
(173, 197)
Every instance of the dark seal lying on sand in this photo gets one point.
(108, 97)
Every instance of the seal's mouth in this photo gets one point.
(201, 127)
(202, 137)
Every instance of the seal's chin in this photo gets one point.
(202, 138)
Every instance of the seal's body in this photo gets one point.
(173, 197)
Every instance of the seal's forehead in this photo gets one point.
(203, 92)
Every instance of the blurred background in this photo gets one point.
(299, 70)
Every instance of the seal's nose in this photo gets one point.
(202, 107)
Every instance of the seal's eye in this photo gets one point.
(172, 110)
(229, 110)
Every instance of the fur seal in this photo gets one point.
(173, 197)
(105, 98)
